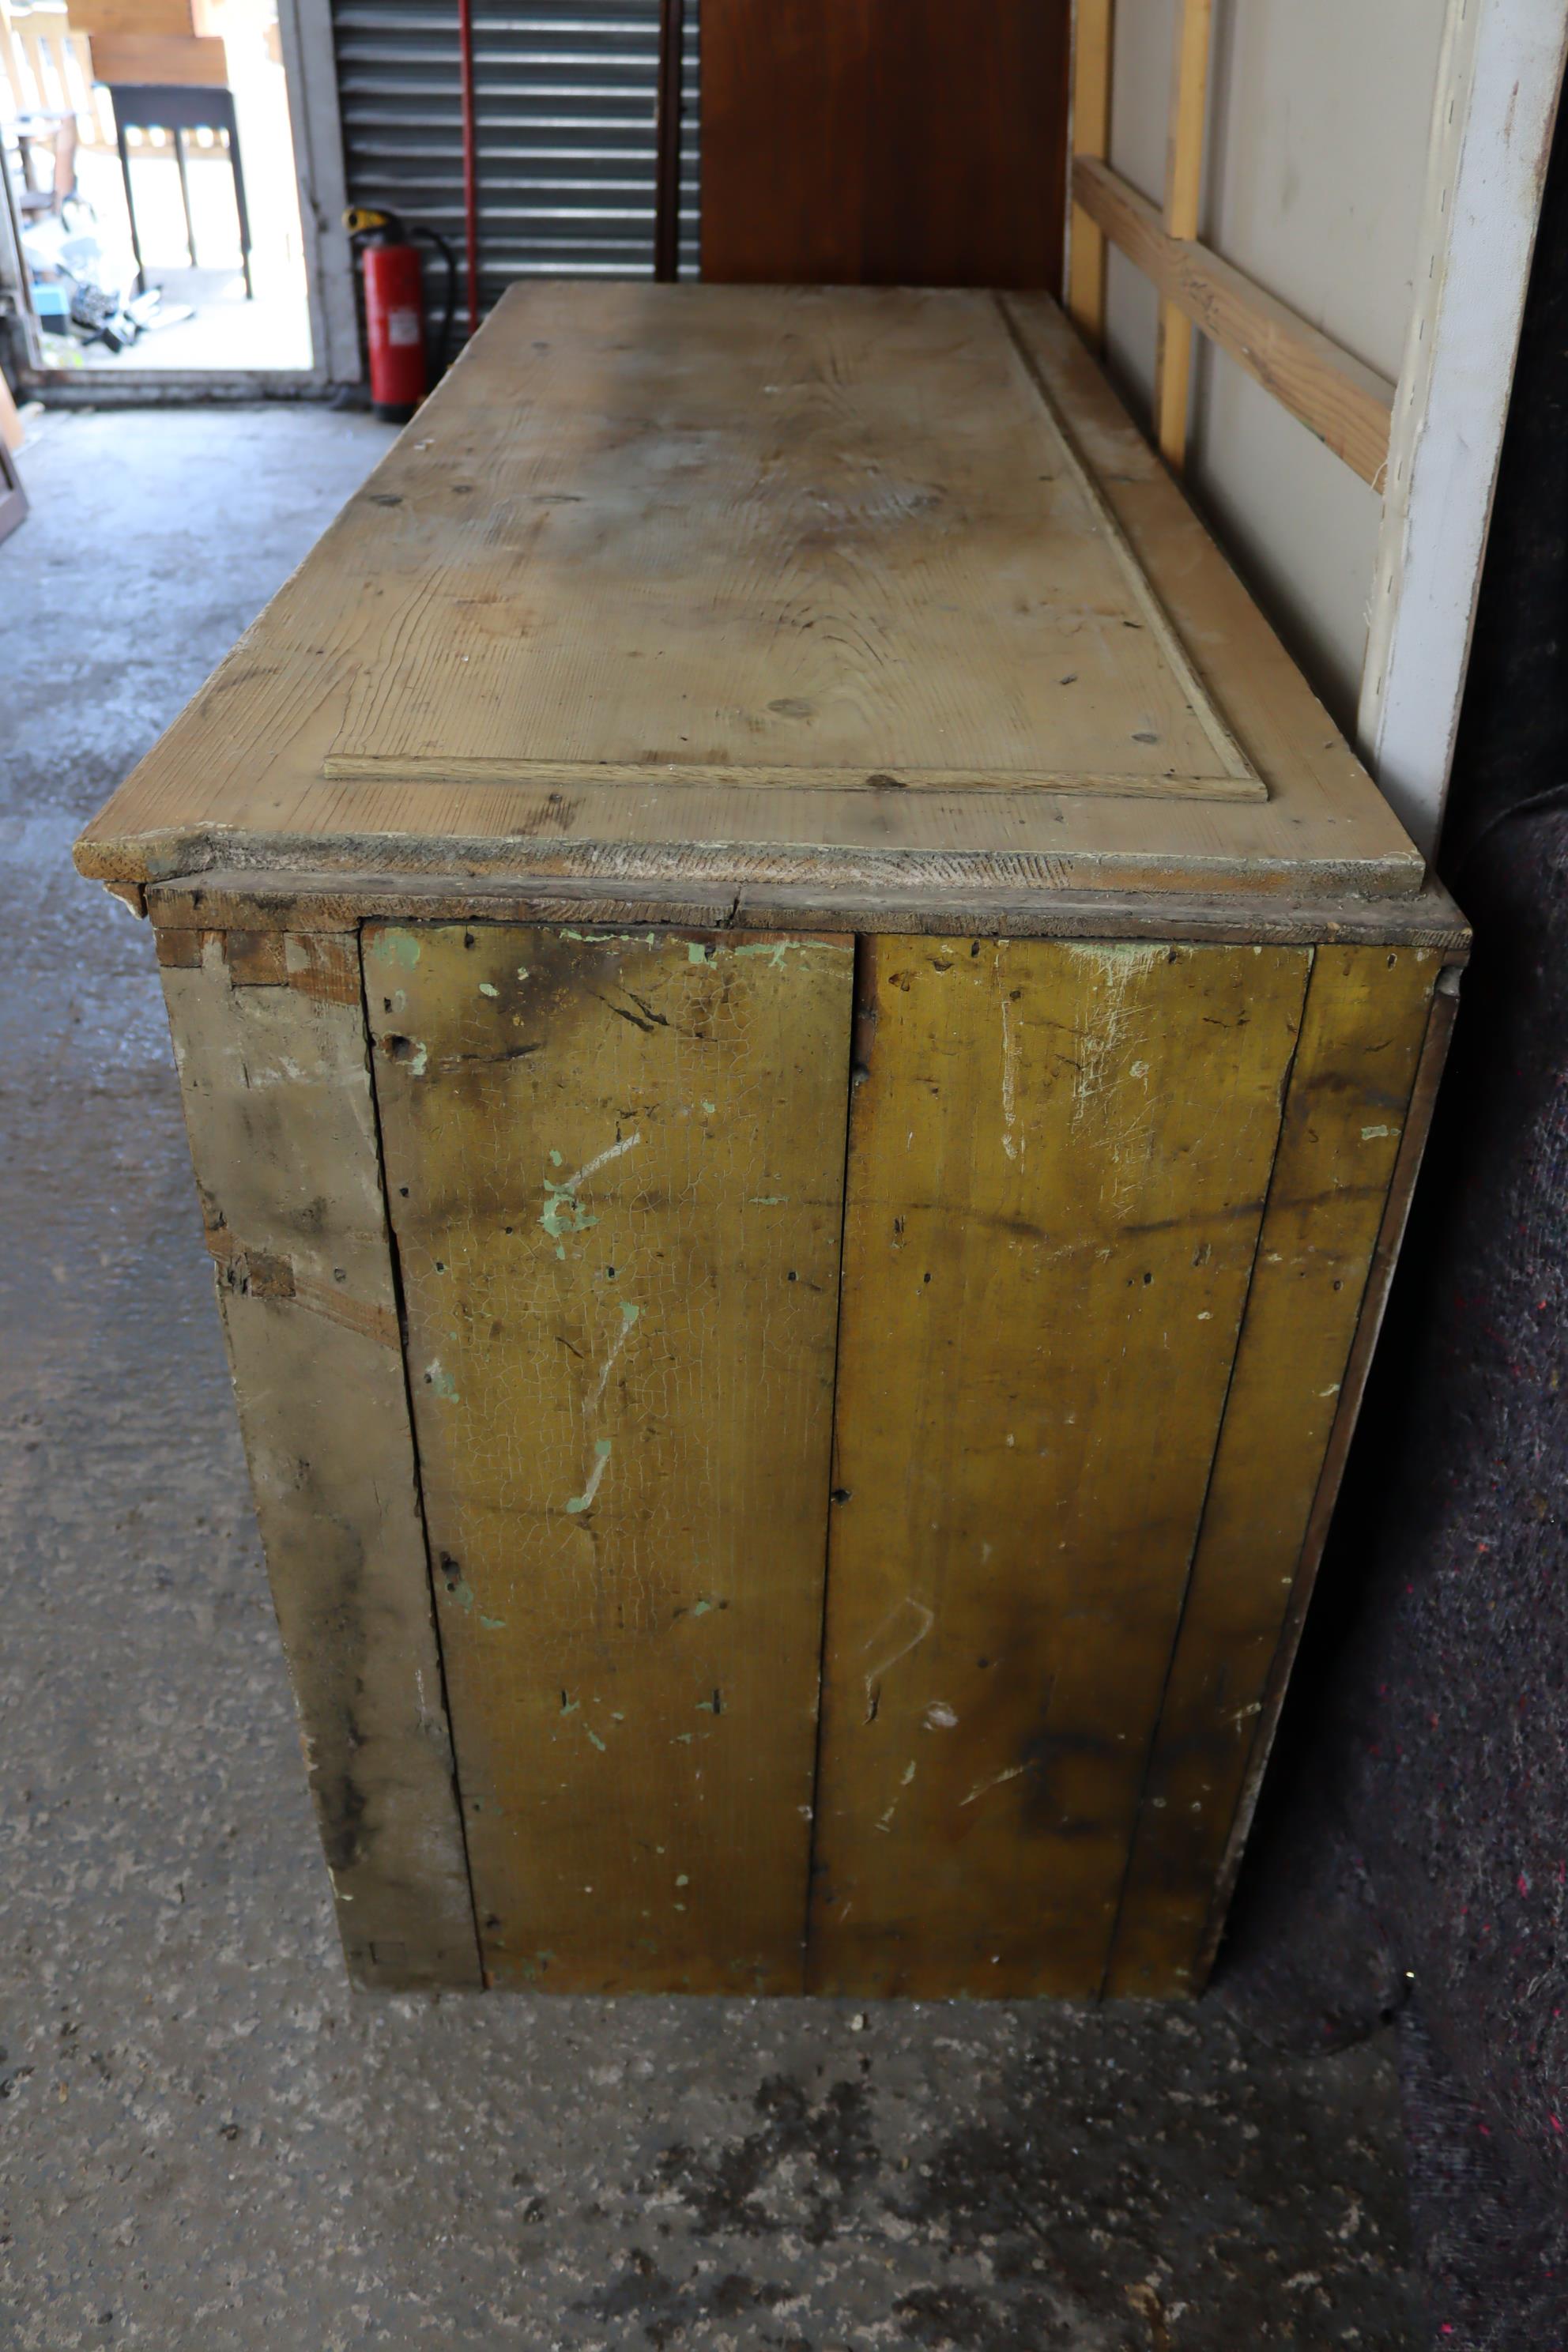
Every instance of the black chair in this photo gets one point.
(179, 107)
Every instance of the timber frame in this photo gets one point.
(1430, 445)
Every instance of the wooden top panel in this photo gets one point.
(865, 588)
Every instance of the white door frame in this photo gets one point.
(1497, 87)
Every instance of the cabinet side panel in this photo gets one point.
(1345, 1122)
(1059, 1160)
(616, 1167)
(275, 1078)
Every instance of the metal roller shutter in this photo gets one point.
(564, 93)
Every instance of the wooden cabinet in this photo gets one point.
(803, 1055)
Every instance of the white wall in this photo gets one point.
(1319, 119)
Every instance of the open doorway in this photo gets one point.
(149, 166)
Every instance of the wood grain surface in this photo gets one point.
(895, 143)
(275, 1079)
(615, 1170)
(720, 537)
(1344, 1124)
(1058, 1159)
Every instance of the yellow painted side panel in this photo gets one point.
(615, 1165)
(1344, 1121)
(1059, 1156)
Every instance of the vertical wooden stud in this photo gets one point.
(1093, 26)
(1184, 194)
(274, 1074)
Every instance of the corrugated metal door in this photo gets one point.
(564, 93)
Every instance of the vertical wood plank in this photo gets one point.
(1362, 1037)
(1093, 30)
(1059, 1160)
(615, 1170)
(1184, 194)
(275, 1079)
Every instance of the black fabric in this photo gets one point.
(1412, 1853)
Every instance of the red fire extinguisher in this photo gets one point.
(400, 363)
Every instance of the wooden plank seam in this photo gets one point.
(394, 1263)
(1157, 1717)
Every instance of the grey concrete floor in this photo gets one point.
(206, 2140)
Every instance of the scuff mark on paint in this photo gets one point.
(940, 1716)
(629, 1314)
(1011, 1144)
(886, 1640)
(1372, 1134)
(601, 1456)
(982, 1788)
(563, 1212)
(522, 971)
(604, 939)
(885, 1821)
(768, 1201)
(441, 1381)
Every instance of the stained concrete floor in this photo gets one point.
(206, 2141)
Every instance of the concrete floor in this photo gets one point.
(206, 2141)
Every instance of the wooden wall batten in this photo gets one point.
(892, 143)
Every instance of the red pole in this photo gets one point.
(470, 156)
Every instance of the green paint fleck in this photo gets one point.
(701, 1608)
(682, 1880)
(555, 1159)
(697, 953)
(706, 1706)
(709, 1108)
(522, 971)
(769, 1200)
(628, 1312)
(563, 1212)
(493, 1624)
(596, 1740)
(442, 1382)
(486, 989)
(462, 1593)
(682, 1739)
(569, 1707)
(775, 949)
(400, 947)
